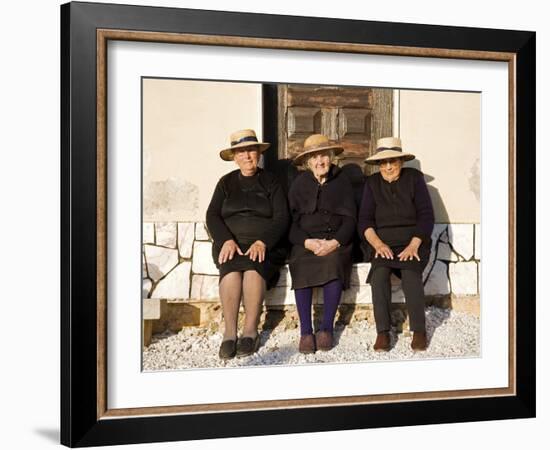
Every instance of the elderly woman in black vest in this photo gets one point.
(247, 218)
(396, 219)
(323, 225)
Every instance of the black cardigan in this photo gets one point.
(322, 211)
(232, 185)
(404, 204)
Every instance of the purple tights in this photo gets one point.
(331, 297)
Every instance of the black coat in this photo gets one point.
(321, 211)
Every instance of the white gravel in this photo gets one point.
(451, 334)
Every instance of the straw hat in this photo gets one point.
(240, 139)
(317, 143)
(388, 147)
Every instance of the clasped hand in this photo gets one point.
(321, 247)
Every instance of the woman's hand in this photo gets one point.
(411, 251)
(312, 245)
(228, 250)
(383, 251)
(256, 250)
(327, 247)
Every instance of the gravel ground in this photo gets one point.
(451, 334)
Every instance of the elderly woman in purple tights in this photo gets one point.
(323, 212)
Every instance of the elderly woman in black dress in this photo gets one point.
(396, 219)
(247, 217)
(323, 225)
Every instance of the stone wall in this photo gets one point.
(178, 267)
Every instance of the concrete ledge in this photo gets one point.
(151, 309)
(176, 315)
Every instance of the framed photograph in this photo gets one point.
(158, 107)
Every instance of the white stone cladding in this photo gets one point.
(178, 266)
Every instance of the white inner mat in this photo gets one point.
(128, 387)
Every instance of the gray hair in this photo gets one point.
(305, 165)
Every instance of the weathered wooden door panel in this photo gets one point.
(354, 116)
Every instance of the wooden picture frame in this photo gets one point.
(85, 30)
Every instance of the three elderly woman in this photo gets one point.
(249, 221)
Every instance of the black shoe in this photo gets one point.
(247, 345)
(228, 349)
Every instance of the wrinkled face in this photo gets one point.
(319, 163)
(390, 168)
(247, 159)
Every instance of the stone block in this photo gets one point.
(151, 309)
(186, 236)
(359, 274)
(165, 233)
(439, 234)
(477, 241)
(461, 238)
(148, 233)
(279, 296)
(357, 295)
(463, 276)
(397, 295)
(438, 280)
(205, 287)
(176, 284)
(143, 266)
(160, 261)
(445, 252)
(201, 233)
(285, 278)
(202, 259)
(146, 285)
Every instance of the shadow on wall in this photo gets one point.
(441, 213)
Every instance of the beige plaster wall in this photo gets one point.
(185, 124)
(443, 130)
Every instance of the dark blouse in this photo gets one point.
(399, 210)
(247, 209)
(322, 211)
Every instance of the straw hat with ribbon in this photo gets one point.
(317, 143)
(241, 139)
(386, 148)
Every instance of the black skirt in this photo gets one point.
(268, 269)
(415, 265)
(309, 270)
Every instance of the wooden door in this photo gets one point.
(354, 116)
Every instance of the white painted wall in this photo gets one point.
(443, 130)
(185, 125)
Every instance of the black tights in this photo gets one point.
(413, 289)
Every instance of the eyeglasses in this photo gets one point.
(391, 161)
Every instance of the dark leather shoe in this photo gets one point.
(307, 344)
(228, 349)
(382, 343)
(419, 342)
(247, 346)
(323, 339)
